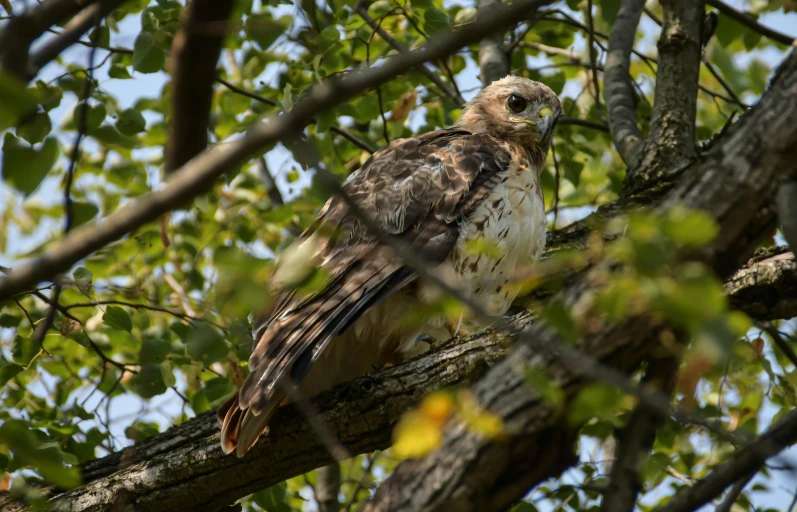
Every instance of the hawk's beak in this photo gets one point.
(545, 122)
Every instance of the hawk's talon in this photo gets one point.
(431, 340)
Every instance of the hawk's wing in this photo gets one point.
(415, 189)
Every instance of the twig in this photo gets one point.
(362, 11)
(335, 129)
(741, 464)
(180, 291)
(41, 331)
(730, 500)
(782, 344)
(750, 22)
(593, 60)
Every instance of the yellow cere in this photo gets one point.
(546, 111)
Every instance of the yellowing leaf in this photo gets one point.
(477, 419)
(404, 106)
(415, 436)
(437, 406)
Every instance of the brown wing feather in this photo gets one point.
(416, 189)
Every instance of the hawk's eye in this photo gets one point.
(516, 103)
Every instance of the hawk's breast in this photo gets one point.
(501, 238)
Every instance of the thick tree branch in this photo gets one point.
(71, 34)
(671, 141)
(740, 465)
(751, 22)
(617, 90)
(787, 210)
(184, 468)
(766, 289)
(199, 174)
(195, 52)
(735, 183)
(20, 32)
(493, 62)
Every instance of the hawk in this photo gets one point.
(440, 193)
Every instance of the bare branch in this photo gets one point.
(635, 440)
(195, 52)
(750, 22)
(671, 141)
(199, 174)
(493, 62)
(740, 465)
(362, 11)
(617, 90)
(733, 494)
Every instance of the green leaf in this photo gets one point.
(609, 10)
(8, 320)
(8, 370)
(42, 456)
(690, 228)
(205, 344)
(148, 57)
(131, 122)
(95, 115)
(287, 98)
(558, 317)
(117, 318)
(435, 20)
(153, 350)
(16, 100)
(24, 168)
(83, 277)
(23, 349)
(35, 128)
(597, 400)
(82, 213)
(264, 31)
(273, 499)
(148, 382)
(550, 391)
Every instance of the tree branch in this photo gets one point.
(671, 141)
(493, 62)
(740, 465)
(617, 90)
(195, 52)
(21, 31)
(199, 174)
(71, 34)
(750, 22)
(766, 289)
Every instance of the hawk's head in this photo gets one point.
(515, 109)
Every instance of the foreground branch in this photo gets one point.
(199, 174)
